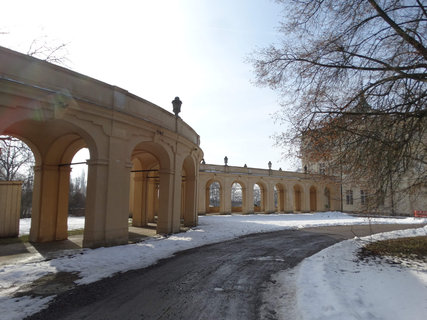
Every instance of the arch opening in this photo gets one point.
(259, 198)
(150, 186)
(144, 193)
(213, 197)
(17, 160)
(236, 197)
(78, 184)
(54, 144)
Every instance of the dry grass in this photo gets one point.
(414, 247)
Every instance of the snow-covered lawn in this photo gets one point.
(334, 284)
(74, 223)
(92, 265)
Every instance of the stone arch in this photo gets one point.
(313, 199)
(298, 196)
(144, 189)
(151, 171)
(238, 196)
(113, 124)
(280, 197)
(54, 143)
(214, 196)
(157, 149)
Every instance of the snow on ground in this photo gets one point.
(74, 223)
(335, 284)
(92, 265)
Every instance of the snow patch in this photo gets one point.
(93, 265)
(344, 288)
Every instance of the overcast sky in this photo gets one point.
(159, 49)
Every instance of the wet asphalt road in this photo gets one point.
(219, 281)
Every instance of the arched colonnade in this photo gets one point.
(264, 191)
(144, 161)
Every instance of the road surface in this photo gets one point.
(219, 281)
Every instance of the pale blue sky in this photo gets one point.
(159, 49)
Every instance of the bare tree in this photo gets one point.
(352, 75)
(15, 159)
(43, 49)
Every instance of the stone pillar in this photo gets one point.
(288, 199)
(45, 203)
(305, 199)
(169, 202)
(96, 204)
(176, 204)
(10, 208)
(223, 197)
(63, 193)
(248, 198)
(227, 198)
(183, 200)
(190, 214)
(269, 197)
(107, 202)
(151, 200)
(206, 194)
(117, 215)
(139, 213)
(201, 204)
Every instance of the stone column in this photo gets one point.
(288, 196)
(248, 198)
(183, 204)
(227, 198)
(305, 199)
(94, 233)
(151, 200)
(63, 193)
(10, 208)
(45, 203)
(190, 214)
(269, 198)
(222, 196)
(169, 202)
(139, 200)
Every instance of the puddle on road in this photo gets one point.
(50, 284)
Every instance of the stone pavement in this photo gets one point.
(14, 252)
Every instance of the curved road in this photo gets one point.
(219, 281)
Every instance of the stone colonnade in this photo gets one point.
(280, 191)
(56, 112)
